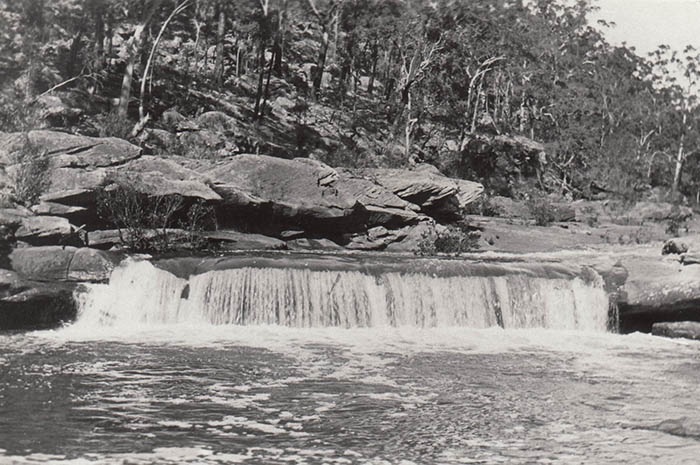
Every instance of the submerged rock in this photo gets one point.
(41, 306)
(678, 329)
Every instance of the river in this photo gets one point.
(124, 390)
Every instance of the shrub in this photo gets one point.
(145, 222)
(30, 177)
(112, 125)
(455, 240)
(541, 210)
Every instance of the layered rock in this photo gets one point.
(435, 194)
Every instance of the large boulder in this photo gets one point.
(383, 206)
(69, 150)
(55, 263)
(46, 230)
(155, 176)
(436, 195)
(658, 289)
(287, 192)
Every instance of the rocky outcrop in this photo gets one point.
(55, 263)
(45, 230)
(283, 191)
(656, 290)
(435, 194)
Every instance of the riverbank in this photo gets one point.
(100, 199)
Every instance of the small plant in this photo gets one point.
(455, 240)
(29, 177)
(483, 206)
(541, 210)
(112, 125)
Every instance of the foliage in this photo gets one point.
(112, 125)
(381, 82)
(457, 239)
(541, 210)
(29, 177)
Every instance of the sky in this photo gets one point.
(646, 24)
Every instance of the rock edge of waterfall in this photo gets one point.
(61, 239)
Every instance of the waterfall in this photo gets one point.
(139, 293)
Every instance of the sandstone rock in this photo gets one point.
(47, 263)
(41, 306)
(57, 209)
(154, 176)
(313, 244)
(72, 151)
(424, 186)
(92, 265)
(11, 218)
(658, 290)
(54, 263)
(46, 230)
(690, 259)
(234, 240)
(291, 234)
(678, 329)
(287, 190)
(104, 239)
(76, 187)
(383, 206)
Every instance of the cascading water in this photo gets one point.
(140, 293)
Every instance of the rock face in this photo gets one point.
(435, 194)
(44, 230)
(658, 290)
(283, 190)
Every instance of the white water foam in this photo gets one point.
(140, 294)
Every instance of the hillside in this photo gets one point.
(525, 100)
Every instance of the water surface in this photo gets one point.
(274, 395)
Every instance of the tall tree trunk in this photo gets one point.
(264, 33)
(220, 32)
(279, 38)
(73, 52)
(149, 62)
(99, 51)
(261, 77)
(375, 57)
(133, 51)
(321, 62)
(680, 157)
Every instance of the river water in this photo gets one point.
(196, 391)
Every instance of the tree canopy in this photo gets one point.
(373, 83)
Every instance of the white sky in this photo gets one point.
(646, 24)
